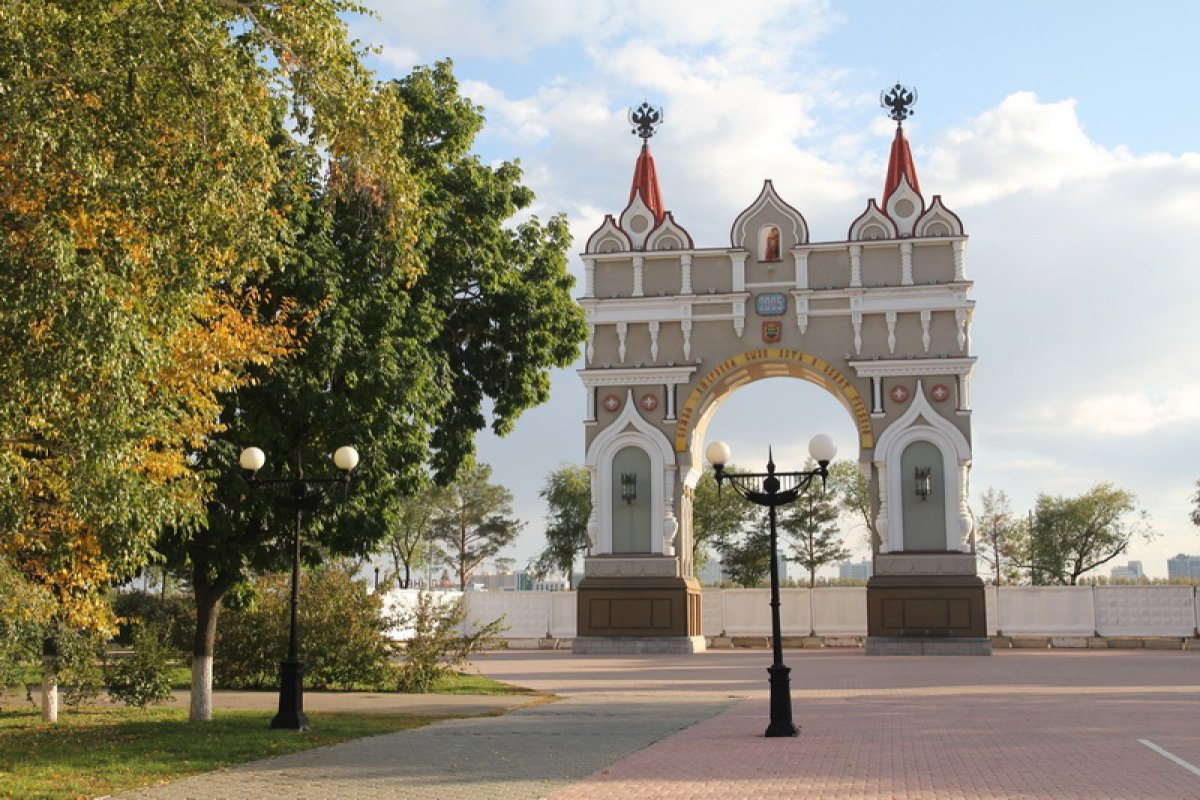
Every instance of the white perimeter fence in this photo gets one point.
(1111, 611)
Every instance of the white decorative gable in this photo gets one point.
(745, 228)
(637, 220)
(905, 206)
(871, 225)
(939, 220)
(608, 238)
(669, 235)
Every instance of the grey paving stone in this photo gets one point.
(528, 753)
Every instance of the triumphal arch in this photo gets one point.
(881, 319)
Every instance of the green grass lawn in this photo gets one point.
(98, 750)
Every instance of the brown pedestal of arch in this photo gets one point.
(638, 615)
(926, 614)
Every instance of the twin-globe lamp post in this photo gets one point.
(299, 498)
(773, 489)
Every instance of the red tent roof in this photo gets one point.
(645, 183)
(900, 163)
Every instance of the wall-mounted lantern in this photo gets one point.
(629, 487)
(924, 482)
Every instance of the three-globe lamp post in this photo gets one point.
(773, 489)
(300, 498)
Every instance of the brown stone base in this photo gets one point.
(926, 606)
(650, 607)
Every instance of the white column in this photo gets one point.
(960, 318)
(654, 341)
(891, 326)
(856, 321)
(591, 343)
(622, 332)
(906, 275)
(801, 258)
(686, 278)
(856, 265)
(960, 261)
(589, 277)
(876, 395)
(669, 391)
(739, 271)
(591, 404)
(638, 265)
(926, 316)
(685, 326)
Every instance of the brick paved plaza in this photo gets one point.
(1021, 724)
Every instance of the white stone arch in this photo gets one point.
(921, 422)
(630, 429)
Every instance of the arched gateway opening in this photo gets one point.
(879, 320)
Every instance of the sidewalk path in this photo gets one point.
(1021, 724)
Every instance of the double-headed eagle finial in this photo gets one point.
(644, 119)
(899, 101)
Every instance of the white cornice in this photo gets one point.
(636, 376)
(905, 367)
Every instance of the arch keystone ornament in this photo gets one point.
(880, 322)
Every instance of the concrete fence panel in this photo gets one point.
(747, 612)
(712, 616)
(1145, 610)
(526, 614)
(989, 604)
(563, 616)
(400, 603)
(840, 611)
(1046, 610)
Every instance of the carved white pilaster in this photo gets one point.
(856, 321)
(876, 396)
(891, 326)
(589, 278)
(622, 332)
(966, 520)
(654, 340)
(685, 265)
(906, 275)
(739, 271)
(686, 327)
(964, 394)
(593, 525)
(881, 519)
(801, 259)
(639, 263)
(802, 314)
(670, 525)
(856, 265)
(960, 318)
(926, 316)
(739, 317)
(960, 261)
(670, 393)
(591, 405)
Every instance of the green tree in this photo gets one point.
(1073, 535)
(999, 532)
(746, 556)
(854, 495)
(410, 335)
(408, 532)
(719, 517)
(568, 496)
(474, 521)
(1196, 506)
(811, 523)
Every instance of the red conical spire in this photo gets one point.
(645, 183)
(899, 164)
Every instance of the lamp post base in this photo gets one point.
(781, 703)
(291, 714)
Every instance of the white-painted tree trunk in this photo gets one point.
(49, 690)
(201, 702)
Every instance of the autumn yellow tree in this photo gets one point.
(140, 157)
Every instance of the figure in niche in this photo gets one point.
(771, 248)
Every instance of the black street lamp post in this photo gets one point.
(766, 489)
(299, 498)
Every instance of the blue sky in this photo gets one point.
(1062, 133)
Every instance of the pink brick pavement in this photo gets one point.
(1016, 725)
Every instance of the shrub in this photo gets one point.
(342, 631)
(439, 646)
(174, 616)
(144, 677)
(77, 664)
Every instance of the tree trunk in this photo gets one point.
(49, 681)
(208, 607)
(407, 576)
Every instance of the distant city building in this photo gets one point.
(855, 570)
(1184, 567)
(1130, 572)
(713, 572)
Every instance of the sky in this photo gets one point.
(1063, 134)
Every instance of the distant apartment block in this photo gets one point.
(1184, 567)
(1130, 572)
(855, 570)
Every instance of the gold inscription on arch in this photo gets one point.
(766, 362)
